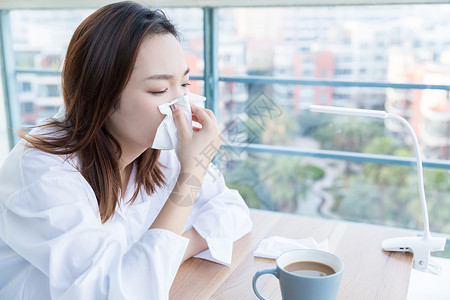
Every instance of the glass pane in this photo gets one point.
(279, 115)
(254, 114)
(364, 43)
(399, 44)
(40, 39)
(338, 189)
(189, 22)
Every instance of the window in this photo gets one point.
(25, 86)
(48, 90)
(277, 154)
(28, 107)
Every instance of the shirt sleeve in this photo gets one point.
(220, 216)
(52, 225)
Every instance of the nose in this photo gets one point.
(178, 91)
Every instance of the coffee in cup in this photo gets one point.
(309, 268)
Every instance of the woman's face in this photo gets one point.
(159, 76)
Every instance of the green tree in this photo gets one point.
(348, 133)
(278, 130)
(289, 180)
(437, 190)
(389, 194)
(278, 181)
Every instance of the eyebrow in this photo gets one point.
(164, 76)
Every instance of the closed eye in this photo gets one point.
(159, 93)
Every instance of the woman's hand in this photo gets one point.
(196, 148)
(195, 151)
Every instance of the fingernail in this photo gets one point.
(173, 107)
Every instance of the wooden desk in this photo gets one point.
(370, 272)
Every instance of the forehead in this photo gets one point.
(160, 54)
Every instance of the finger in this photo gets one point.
(211, 114)
(180, 120)
(196, 129)
(202, 117)
(208, 112)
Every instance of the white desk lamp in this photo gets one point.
(419, 246)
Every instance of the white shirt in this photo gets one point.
(53, 244)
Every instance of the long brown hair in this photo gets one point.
(98, 64)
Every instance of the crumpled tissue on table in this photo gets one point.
(167, 134)
(273, 246)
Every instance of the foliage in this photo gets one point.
(280, 180)
(274, 131)
(347, 133)
(247, 193)
(389, 194)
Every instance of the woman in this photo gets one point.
(87, 208)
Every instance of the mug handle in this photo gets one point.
(273, 271)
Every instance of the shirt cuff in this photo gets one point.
(220, 250)
(166, 237)
(168, 249)
(151, 279)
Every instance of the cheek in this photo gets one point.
(138, 119)
(146, 119)
(153, 120)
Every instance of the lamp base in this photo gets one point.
(420, 247)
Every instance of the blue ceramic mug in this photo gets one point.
(304, 287)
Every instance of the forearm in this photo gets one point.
(190, 151)
(174, 214)
(197, 244)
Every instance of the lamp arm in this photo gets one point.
(423, 201)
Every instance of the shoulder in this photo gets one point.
(25, 165)
(37, 164)
(36, 179)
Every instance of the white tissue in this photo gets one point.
(273, 246)
(167, 135)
